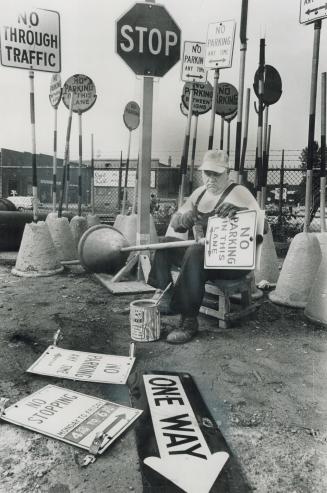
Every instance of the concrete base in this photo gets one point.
(62, 237)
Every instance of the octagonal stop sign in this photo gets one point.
(148, 39)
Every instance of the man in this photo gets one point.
(218, 196)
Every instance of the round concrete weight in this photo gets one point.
(99, 249)
(78, 226)
(268, 270)
(127, 225)
(316, 309)
(298, 272)
(37, 255)
(92, 220)
(62, 238)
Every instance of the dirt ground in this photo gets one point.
(264, 381)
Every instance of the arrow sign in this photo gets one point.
(185, 458)
(312, 10)
(193, 62)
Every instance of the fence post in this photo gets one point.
(281, 186)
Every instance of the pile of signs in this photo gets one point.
(81, 420)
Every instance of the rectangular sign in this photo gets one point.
(312, 10)
(220, 44)
(110, 178)
(231, 243)
(86, 367)
(193, 69)
(31, 40)
(72, 417)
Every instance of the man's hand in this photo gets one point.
(183, 222)
(228, 210)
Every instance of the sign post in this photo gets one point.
(85, 96)
(148, 40)
(42, 53)
(219, 55)
(131, 119)
(55, 98)
(245, 134)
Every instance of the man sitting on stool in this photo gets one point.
(218, 196)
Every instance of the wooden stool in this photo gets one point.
(225, 290)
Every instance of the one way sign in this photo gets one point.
(193, 62)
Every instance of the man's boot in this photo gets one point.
(187, 329)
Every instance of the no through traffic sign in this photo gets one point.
(31, 40)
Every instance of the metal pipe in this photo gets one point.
(163, 246)
(213, 110)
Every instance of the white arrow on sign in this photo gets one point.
(312, 10)
(185, 458)
(193, 62)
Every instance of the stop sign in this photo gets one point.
(148, 39)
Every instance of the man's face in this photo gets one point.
(214, 181)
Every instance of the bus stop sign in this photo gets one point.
(148, 39)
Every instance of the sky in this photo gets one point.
(88, 32)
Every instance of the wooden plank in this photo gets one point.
(123, 287)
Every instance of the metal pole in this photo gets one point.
(186, 149)
(54, 162)
(323, 155)
(260, 118)
(228, 138)
(213, 109)
(245, 134)
(67, 183)
(195, 132)
(312, 118)
(79, 163)
(281, 186)
(120, 172)
(243, 48)
(66, 157)
(135, 186)
(34, 169)
(222, 127)
(264, 159)
(144, 171)
(126, 173)
(92, 176)
(266, 166)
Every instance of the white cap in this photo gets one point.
(216, 161)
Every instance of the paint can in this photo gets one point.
(145, 320)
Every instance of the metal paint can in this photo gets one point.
(145, 320)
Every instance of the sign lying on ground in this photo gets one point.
(193, 69)
(55, 90)
(78, 365)
(84, 92)
(131, 115)
(220, 44)
(148, 39)
(72, 417)
(227, 98)
(230, 243)
(185, 458)
(202, 97)
(31, 40)
(312, 10)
